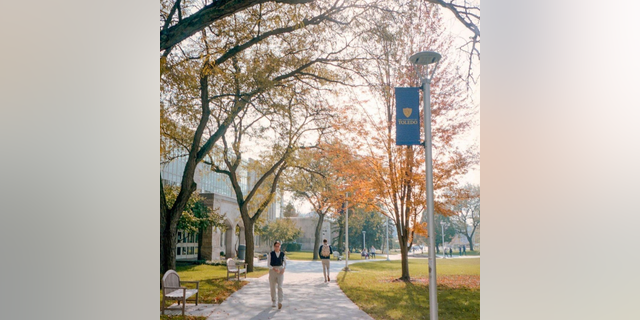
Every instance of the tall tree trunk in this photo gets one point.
(340, 234)
(163, 228)
(404, 252)
(169, 227)
(200, 234)
(316, 244)
(248, 239)
(470, 239)
(403, 237)
(168, 243)
(169, 218)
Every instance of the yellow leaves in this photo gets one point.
(420, 228)
(163, 65)
(277, 21)
(208, 68)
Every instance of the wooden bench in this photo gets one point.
(172, 290)
(337, 255)
(237, 268)
(262, 257)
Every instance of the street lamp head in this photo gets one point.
(425, 57)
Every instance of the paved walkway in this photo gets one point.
(306, 296)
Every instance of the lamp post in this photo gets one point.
(444, 255)
(425, 58)
(346, 261)
(364, 245)
(387, 238)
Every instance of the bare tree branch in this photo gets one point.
(217, 10)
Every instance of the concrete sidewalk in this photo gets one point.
(306, 296)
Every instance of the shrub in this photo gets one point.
(291, 246)
(216, 262)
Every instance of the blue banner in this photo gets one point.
(407, 116)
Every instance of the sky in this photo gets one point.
(462, 35)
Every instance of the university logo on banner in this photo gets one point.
(407, 116)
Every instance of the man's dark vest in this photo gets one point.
(275, 261)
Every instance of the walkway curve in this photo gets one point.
(306, 296)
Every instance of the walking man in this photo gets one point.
(276, 263)
(325, 256)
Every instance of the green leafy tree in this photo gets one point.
(280, 121)
(372, 223)
(285, 230)
(197, 216)
(231, 61)
(289, 210)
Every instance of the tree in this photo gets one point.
(314, 182)
(467, 209)
(372, 223)
(467, 13)
(176, 29)
(398, 171)
(324, 175)
(289, 210)
(207, 65)
(218, 32)
(282, 229)
(280, 119)
(449, 230)
(196, 216)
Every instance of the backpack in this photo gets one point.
(326, 251)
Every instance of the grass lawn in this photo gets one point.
(308, 255)
(455, 254)
(214, 286)
(373, 289)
